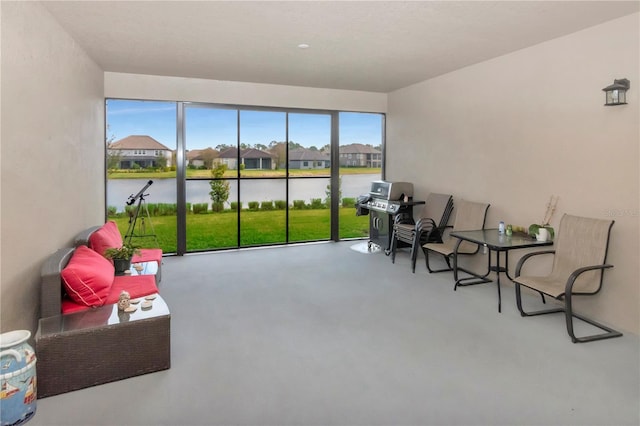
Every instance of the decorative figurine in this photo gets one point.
(125, 300)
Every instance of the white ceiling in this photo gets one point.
(376, 46)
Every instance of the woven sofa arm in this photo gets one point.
(51, 283)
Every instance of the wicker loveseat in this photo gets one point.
(83, 339)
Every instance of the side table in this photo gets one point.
(101, 345)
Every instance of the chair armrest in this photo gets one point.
(529, 256)
(425, 224)
(575, 274)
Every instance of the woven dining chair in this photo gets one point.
(579, 262)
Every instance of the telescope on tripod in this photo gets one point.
(140, 195)
(133, 218)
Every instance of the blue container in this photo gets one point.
(18, 392)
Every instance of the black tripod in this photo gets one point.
(133, 219)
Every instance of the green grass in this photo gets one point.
(206, 174)
(219, 230)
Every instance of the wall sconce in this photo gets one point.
(616, 94)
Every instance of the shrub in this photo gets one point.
(217, 207)
(200, 208)
(266, 205)
(253, 205)
(280, 204)
(188, 208)
(348, 202)
(299, 205)
(234, 206)
(316, 203)
(112, 211)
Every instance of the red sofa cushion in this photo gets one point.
(108, 236)
(88, 277)
(148, 255)
(136, 285)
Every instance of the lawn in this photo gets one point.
(219, 230)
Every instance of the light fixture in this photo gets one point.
(616, 94)
(303, 46)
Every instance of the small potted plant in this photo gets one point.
(121, 257)
(551, 208)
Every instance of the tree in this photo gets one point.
(219, 188)
(161, 161)
(279, 151)
(114, 156)
(208, 155)
(327, 192)
(223, 146)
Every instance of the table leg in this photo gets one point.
(498, 270)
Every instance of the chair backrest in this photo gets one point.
(438, 207)
(470, 215)
(581, 242)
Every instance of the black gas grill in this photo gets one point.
(387, 202)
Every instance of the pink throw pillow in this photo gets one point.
(88, 277)
(108, 236)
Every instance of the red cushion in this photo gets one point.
(108, 236)
(88, 277)
(148, 255)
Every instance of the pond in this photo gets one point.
(164, 190)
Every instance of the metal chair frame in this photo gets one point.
(448, 257)
(567, 296)
(423, 231)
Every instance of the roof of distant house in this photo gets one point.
(138, 142)
(200, 154)
(244, 153)
(302, 154)
(358, 148)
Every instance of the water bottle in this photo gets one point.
(501, 228)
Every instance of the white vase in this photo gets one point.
(543, 234)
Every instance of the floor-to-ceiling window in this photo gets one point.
(238, 177)
(140, 147)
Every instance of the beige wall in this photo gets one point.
(136, 86)
(52, 152)
(514, 130)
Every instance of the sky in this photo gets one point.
(209, 127)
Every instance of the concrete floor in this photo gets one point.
(322, 334)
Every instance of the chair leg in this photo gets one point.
(394, 246)
(414, 255)
(569, 315)
(530, 314)
(426, 258)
